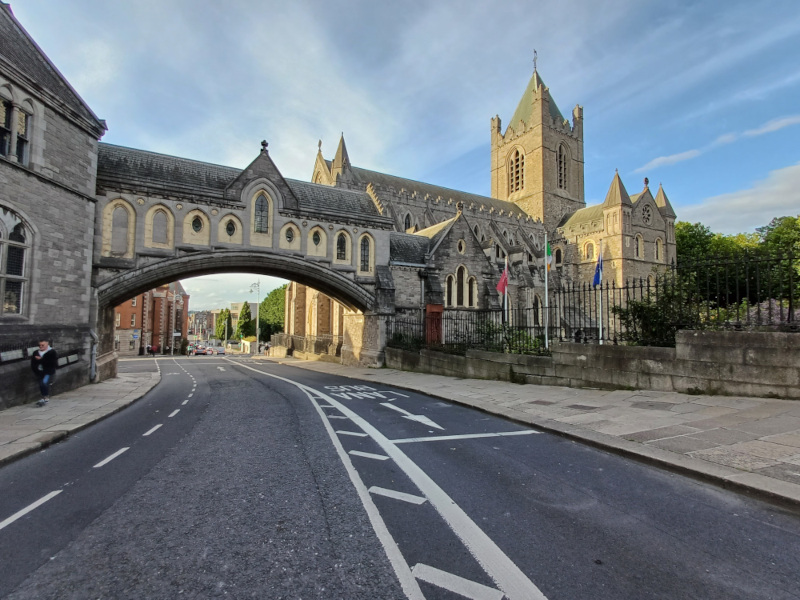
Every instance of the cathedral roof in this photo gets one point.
(23, 55)
(617, 194)
(408, 248)
(583, 215)
(366, 176)
(524, 110)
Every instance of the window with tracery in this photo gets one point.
(562, 167)
(261, 224)
(407, 223)
(365, 262)
(460, 277)
(6, 110)
(15, 243)
(516, 172)
(341, 247)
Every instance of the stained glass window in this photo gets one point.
(365, 260)
(13, 267)
(197, 224)
(341, 247)
(262, 215)
(316, 238)
(230, 228)
(290, 235)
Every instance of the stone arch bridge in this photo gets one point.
(160, 218)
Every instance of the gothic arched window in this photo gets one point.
(562, 167)
(262, 215)
(160, 222)
(341, 247)
(516, 172)
(119, 231)
(14, 245)
(365, 258)
(460, 277)
(407, 224)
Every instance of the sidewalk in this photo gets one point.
(28, 428)
(751, 444)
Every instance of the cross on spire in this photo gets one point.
(534, 59)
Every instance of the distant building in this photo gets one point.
(148, 319)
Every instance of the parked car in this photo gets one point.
(209, 351)
(219, 350)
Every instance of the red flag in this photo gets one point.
(502, 286)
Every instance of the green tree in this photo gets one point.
(246, 326)
(270, 312)
(224, 317)
(781, 236)
(692, 242)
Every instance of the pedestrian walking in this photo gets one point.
(43, 364)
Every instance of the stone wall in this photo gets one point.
(727, 363)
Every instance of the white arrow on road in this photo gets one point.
(221, 368)
(419, 418)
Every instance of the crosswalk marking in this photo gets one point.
(466, 436)
(353, 433)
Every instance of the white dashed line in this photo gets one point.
(152, 430)
(336, 417)
(110, 458)
(174, 412)
(354, 433)
(29, 508)
(368, 455)
(192, 394)
(397, 495)
(454, 583)
(466, 436)
(184, 402)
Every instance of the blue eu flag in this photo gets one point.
(598, 270)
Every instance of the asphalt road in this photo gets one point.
(274, 482)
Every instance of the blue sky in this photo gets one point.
(702, 96)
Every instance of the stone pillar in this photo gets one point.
(364, 339)
(106, 357)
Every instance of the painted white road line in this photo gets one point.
(454, 583)
(354, 433)
(174, 412)
(507, 575)
(368, 455)
(336, 417)
(326, 406)
(192, 394)
(29, 508)
(184, 402)
(379, 491)
(152, 430)
(110, 458)
(221, 368)
(407, 415)
(466, 436)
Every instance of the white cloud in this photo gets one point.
(669, 160)
(776, 196)
(774, 125)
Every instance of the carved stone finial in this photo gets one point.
(319, 145)
(460, 207)
(646, 182)
(534, 59)
(264, 145)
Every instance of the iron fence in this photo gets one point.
(745, 292)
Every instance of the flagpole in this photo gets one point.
(505, 298)
(546, 295)
(601, 292)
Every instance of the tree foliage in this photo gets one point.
(219, 331)
(270, 312)
(246, 326)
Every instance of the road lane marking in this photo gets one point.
(379, 491)
(368, 455)
(184, 402)
(508, 576)
(192, 394)
(407, 415)
(110, 458)
(466, 436)
(221, 368)
(29, 508)
(454, 583)
(336, 417)
(174, 412)
(152, 430)
(355, 433)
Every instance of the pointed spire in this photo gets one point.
(663, 203)
(617, 194)
(524, 110)
(341, 161)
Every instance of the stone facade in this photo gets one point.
(48, 159)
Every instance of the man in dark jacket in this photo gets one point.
(43, 364)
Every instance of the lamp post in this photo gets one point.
(172, 329)
(257, 287)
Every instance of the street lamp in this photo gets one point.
(257, 288)
(172, 329)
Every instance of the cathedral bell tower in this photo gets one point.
(538, 162)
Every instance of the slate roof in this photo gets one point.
(18, 49)
(318, 198)
(524, 110)
(583, 215)
(366, 176)
(136, 169)
(408, 248)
